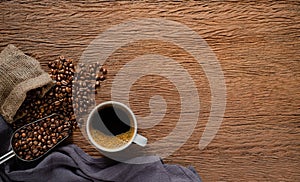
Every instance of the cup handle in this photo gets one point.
(140, 140)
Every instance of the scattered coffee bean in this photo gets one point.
(102, 78)
(104, 71)
(86, 82)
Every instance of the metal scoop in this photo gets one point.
(13, 153)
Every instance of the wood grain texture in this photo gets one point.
(256, 43)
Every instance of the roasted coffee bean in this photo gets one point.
(34, 151)
(102, 78)
(68, 90)
(52, 125)
(64, 82)
(16, 135)
(101, 69)
(57, 103)
(104, 71)
(50, 146)
(27, 157)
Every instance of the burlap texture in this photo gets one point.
(19, 73)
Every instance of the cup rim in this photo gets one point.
(111, 149)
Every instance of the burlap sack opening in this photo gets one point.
(19, 73)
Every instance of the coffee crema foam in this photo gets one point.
(112, 142)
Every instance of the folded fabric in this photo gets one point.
(69, 164)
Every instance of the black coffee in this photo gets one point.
(112, 120)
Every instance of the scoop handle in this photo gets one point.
(7, 156)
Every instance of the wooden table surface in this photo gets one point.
(256, 43)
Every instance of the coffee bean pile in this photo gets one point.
(86, 83)
(37, 138)
(59, 98)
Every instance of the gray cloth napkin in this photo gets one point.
(70, 164)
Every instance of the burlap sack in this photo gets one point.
(19, 73)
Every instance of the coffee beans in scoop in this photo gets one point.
(35, 139)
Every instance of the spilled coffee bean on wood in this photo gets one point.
(58, 100)
(87, 81)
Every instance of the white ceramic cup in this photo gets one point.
(136, 138)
